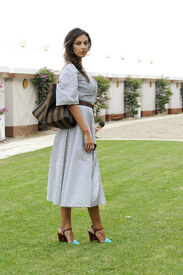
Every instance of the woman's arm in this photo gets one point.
(74, 109)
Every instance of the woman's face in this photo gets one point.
(80, 46)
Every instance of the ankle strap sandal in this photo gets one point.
(62, 237)
(93, 236)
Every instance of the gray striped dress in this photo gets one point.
(74, 175)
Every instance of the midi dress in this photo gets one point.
(74, 176)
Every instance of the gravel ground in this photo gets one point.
(158, 127)
(161, 127)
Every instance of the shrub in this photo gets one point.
(163, 94)
(3, 111)
(131, 96)
(42, 81)
(102, 97)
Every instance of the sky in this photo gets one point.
(135, 29)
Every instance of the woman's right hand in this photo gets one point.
(89, 144)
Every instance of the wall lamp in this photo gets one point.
(151, 61)
(22, 43)
(45, 47)
(139, 59)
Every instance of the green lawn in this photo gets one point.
(143, 184)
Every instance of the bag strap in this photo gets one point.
(47, 101)
(50, 91)
(49, 96)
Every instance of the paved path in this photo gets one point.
(26, 144)
(165, 127)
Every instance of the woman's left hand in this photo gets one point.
(89, 144)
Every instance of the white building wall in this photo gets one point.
(116, 95)
(2, 93)
(147, 98)
(9, 102)
(103, 113)
(20, 103)
(175, 99)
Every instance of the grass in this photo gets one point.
(143, 185)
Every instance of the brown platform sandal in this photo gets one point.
(62, 238)
(93, 236)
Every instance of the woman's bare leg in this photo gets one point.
(66, 222)
(97, 222)
(66, 217)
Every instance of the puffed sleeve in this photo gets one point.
(67, 88)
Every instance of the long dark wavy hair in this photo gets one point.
(69, 54)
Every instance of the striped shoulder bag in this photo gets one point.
(56, 116)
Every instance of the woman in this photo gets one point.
(74, 176)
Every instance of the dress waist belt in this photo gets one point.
(86, 104)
